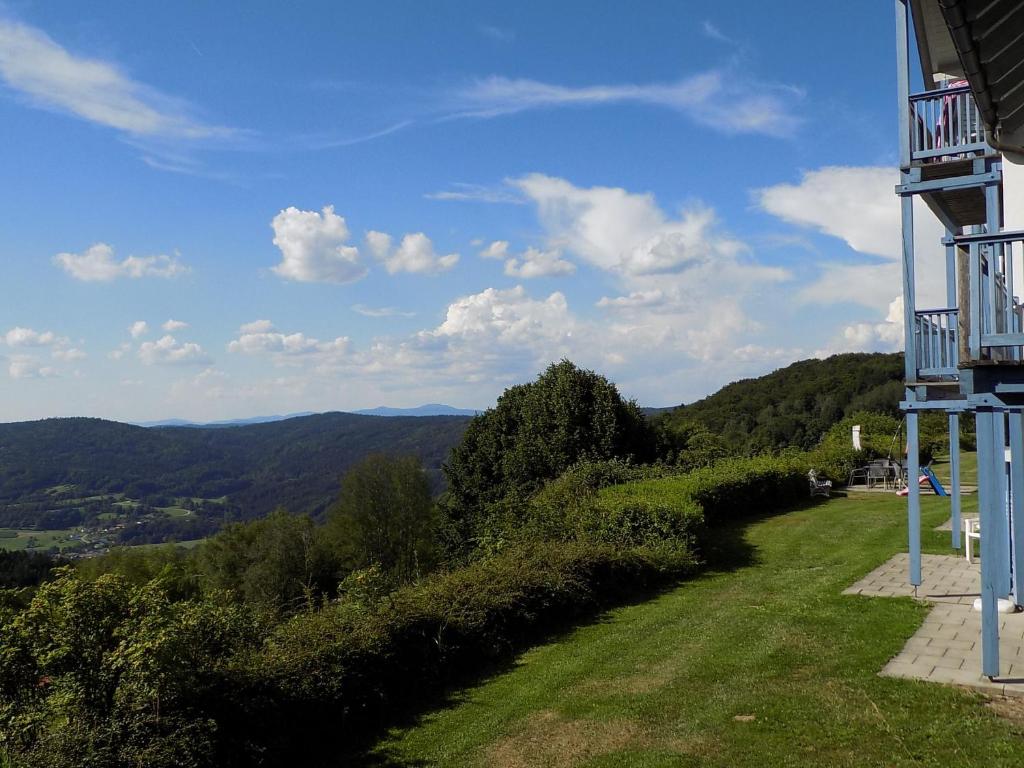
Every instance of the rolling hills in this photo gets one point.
(56, 472)
(794, 406)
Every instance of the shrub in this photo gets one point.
(341, 670)
(730, 489)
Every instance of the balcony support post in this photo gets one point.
(913, 498)
(1016, 418)
(954, 478)
(988, 499)
(909, 305)
(903, 79)
(950, 270)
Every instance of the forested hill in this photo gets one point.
(243, 471)
(794, 406)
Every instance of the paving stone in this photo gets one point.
(957, 645)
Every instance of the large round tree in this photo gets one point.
(535, 432)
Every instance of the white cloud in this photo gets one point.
(508, 317)
(261, 338)
(712, 32)
(28, 367)
(120, 352)
(174, 325)
(496, 250)
(257, 326)
(634, 300)
(313, 249)
(723, 100)
(858, 205)
(626, 232)
(98, 264)
(855, 204)
(479, 193)
(365, 311)
(51, 77)
(169, 351)
(414, 254)
(535, 263)
(69, 354)
(885, 336)
(27, 337)
(138, 328)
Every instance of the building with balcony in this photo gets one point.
(960, 69)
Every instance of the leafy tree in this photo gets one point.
(278, 562)
(689, 445)
(534, 433)
(385, 517)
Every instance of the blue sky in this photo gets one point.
(221, 210)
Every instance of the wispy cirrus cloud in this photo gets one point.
(716, 98)
(49, 76)
(712, 32)
(480, 193)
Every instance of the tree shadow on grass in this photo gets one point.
(724, 548)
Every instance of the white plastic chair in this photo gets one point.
(972, 530)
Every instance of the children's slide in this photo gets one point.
(927, 477)
(933, 481)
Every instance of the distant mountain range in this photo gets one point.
(430, 409)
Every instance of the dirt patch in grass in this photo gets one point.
(1009, 708)
(547, 739)
(643, 681)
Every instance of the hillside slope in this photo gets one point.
(795, 405)
(247, 470)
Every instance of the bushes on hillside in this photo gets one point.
(340, 670)
(101, 673)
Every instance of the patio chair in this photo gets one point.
(972, 530)
(878, 472)
(818, 487)
(860, 473)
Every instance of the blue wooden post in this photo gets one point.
(954, 478)
(903, 80)
(909, 300)
(1017, 504)
(950, 270)
(988, 498)
(913, 500)
(1001, 506)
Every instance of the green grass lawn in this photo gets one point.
(41, 540)
(761, 662)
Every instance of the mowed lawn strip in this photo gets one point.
(763, 664)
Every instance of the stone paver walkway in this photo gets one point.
(947, 647)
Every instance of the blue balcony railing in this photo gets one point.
(935, 340)
(945, 124)
(996, 316)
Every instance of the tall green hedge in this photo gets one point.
(344, 670)
(729, 490)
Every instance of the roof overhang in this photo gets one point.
(981, 41)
